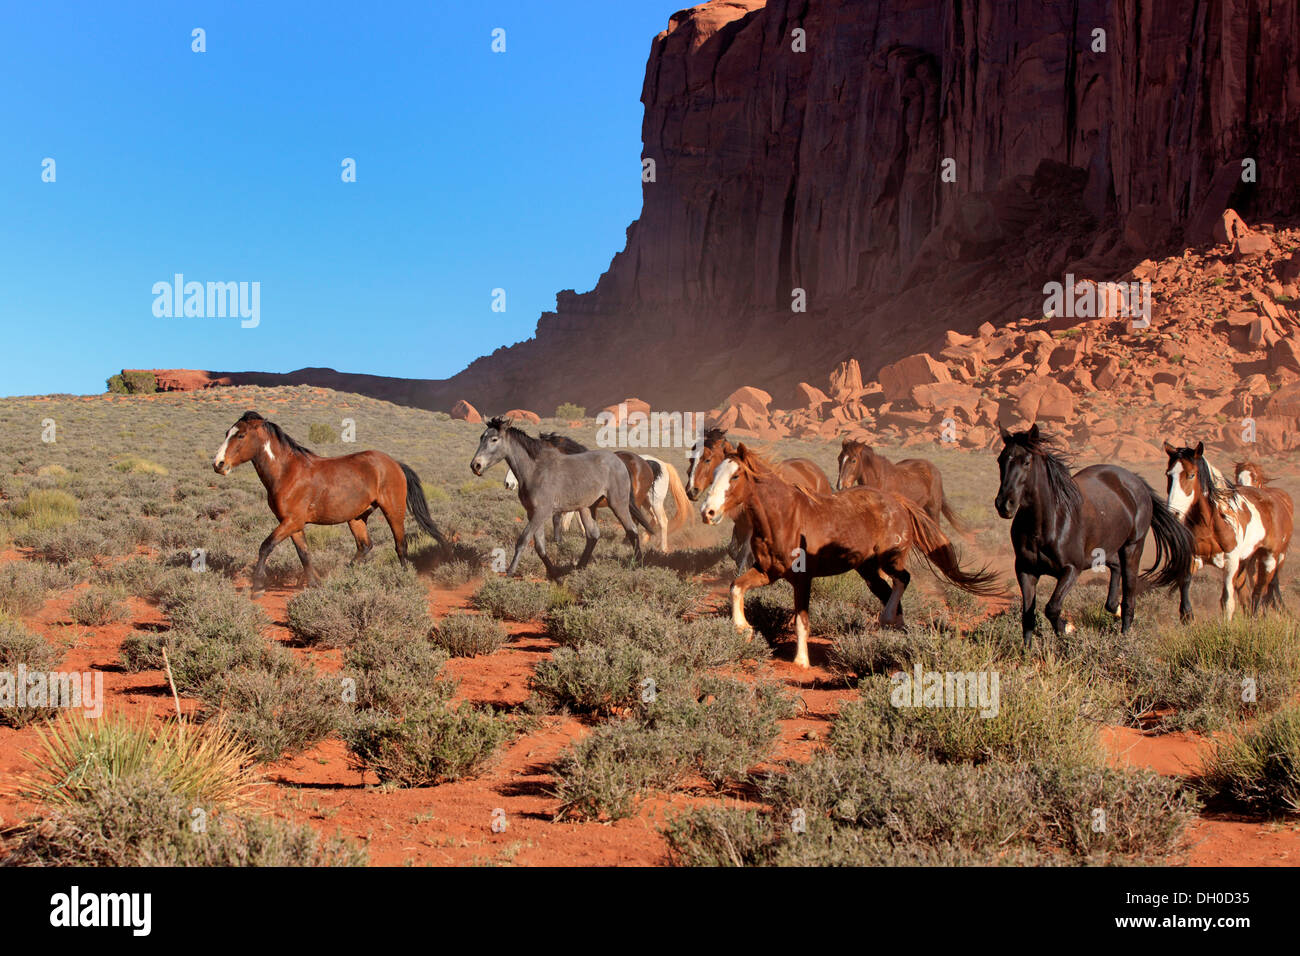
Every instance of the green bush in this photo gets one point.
(20, 646)
(360, 601)
(276, 712)
(1258, 769)
(468, 635)
(322, 434)
(517, 599)
(569, 411)
(426, 747)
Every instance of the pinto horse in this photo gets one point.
(1243, 528)
(799, 535)
(304, 488)
(1063, 524)
(913, 478)
(710, 451)
(552, 482)
(653, 480)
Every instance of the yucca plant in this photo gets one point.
(206, 764)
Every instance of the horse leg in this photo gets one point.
(1130, 558)
(1068, 576)
(592, 529)
(283, 530)
(558, 522)
(624, 515)
(1112, 588)
(892, 613)
(1265, 568)
(1028, 605)
(1228, 600)
(309, 575)
(802, 594)
(752, 578)
(876, 581)
(539, 545)
(362, 535)
(397, 524)
(660, 513)
(1273, 598)
(1185, 614)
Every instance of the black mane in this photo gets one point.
(563, 442)
(532, 446)
(1218, 494)
(278, 433)
(1056, 461)
(714, 434)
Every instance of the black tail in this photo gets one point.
(1175, 549)
(417, 506)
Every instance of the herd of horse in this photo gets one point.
(790, 524)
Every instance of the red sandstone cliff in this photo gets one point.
(820, 170)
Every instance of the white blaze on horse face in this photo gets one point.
(220, 456)
(1179, 501)
(1244, 477)
(716, 496)
(694, 457)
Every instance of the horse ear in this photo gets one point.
(1170, 450)
(1200, 449)
(1033, 432)
(1006, 435)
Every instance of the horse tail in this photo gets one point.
(932, 544)
(417, 506)
(1175, 549)
(961, 527)
(678, 491)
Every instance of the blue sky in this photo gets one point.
(475, 171)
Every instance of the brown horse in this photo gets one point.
(913, 478)
(800, 535)
(1245, 529)
(710, 451)
(303, 488)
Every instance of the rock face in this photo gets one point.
(920, 166)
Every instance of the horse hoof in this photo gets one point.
(1069, 628)
(802, 662)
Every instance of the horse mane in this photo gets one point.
(713, 434)
(278, 433)
(1254, 469)
(1219, 489)
(1057, 462)
(533, 446)
(563, 442)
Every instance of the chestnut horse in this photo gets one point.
(709, 452)
(653, 480)
(913, 478)
(1063, 524)
(799, 535)
(304, 488)
(1241, 528)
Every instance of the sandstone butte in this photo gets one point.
(820, 171)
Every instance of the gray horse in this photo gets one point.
(552, 482)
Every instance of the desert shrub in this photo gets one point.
(569, 411)
(1046, 715)
(46, 508)
(858, 653)
(428, 746)
(359, 601)
(71, 544)
(593, 678)
(322, 434)
(23, 587)
(1258, 769)
(205, 764)
(276, 712)
(138, 820)
(468, 635)
(516, 599)
(904, 809)
(715, 728)
(658, 589)
(22, 647)
(395, 675)
(135, 465)
(96, 607)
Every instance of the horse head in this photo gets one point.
(1184, 477)
(244, 440)
(853, 456)
(732, 485)
(491, 444)
(1016, 467)
(703, 460)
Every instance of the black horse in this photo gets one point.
(1062, 525)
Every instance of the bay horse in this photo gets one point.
(304, 488)
(552, 482)
(711, 450)
(653, 480)
(799, 535)
(913, 478)
(1243, 528)
(1063, 524)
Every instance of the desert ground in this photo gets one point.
(450, 716)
